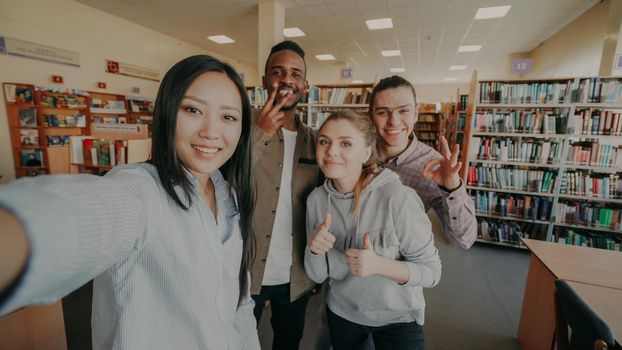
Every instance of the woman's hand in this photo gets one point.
(362, 262)
(321, 240)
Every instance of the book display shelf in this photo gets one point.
(544, 161)
(44, 120)
(41, 121)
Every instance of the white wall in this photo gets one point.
(96, 36)
(575, 50)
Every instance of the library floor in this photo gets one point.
(476, 305)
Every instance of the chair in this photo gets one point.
(588, 330)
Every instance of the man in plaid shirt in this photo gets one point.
(434, 175)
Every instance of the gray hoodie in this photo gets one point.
(399, 228)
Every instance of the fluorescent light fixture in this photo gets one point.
(457, 67)
(451, 79)
(293, 32)
(380, 23)
(221, 39)
(469, 48)
(492, 12)
(325, 57)
(357, 82)
(397, 70)
(391, 53)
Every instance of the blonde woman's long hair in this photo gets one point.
(365, 126)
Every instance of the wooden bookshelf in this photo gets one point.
(583, 116)
(140, 110)
(321, 100)
(41, 120)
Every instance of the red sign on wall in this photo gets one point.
(101, 85)
(57, 79)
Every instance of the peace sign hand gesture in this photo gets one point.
(271, 117)
(444, 171)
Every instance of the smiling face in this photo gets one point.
(287, 69)
(341, 152)
(394, 115)
(209, 124)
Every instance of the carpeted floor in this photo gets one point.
(475, 306)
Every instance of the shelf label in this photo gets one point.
(37, 51)
(117, 128)
(131, 70)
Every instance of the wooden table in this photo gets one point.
(551, 261)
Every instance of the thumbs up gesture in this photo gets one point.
(362, 262)
(321, 240)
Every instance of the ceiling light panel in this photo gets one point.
(380, 23)
(492, 12)
(293, 32)
(221, 39)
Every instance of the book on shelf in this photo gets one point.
(595, 122)
(29, 137)
(31, 158)
(24, 95)
(593, 153)
(28, 117)
(535, 121)
(510, 232)
(57, 140)
(578, 90)
(99, 105)
(515, 149)
(60, 120)
(589, 215)
(580, 183)
(141, 106)
(512, 205)
(572, 236)
(100, 152)
(507, 177)
(63, 101)
(338, 95)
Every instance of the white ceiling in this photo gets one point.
(428, 32)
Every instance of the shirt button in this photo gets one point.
(454, 218)
(268, 236)
(451, 198)
(274, 212)
(278, 188)
(263, 260)
(280, 165)
(267, 143)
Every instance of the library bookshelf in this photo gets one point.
(321, 100)
(544, 159)
(42, 120)
(433, 121)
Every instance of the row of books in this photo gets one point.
(339, 95)
(141, 106)
(591, 185)
(509, 232)
(108, 120)
(510, 178)
(257, 95)
(586, 238)
(519, 121)
(62, 121)
(99, 105)
(426, 127)
(30, 137)
(586, 90)
(103, 152)
(519, 206)
(63, 101)
(595, 122)
(515, 149)
(315, 118)
(595, 154)
(588, 214)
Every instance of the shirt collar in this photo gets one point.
(407, 153)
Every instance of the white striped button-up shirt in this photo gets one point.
(165, 278)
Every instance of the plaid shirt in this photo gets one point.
(455, 209)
